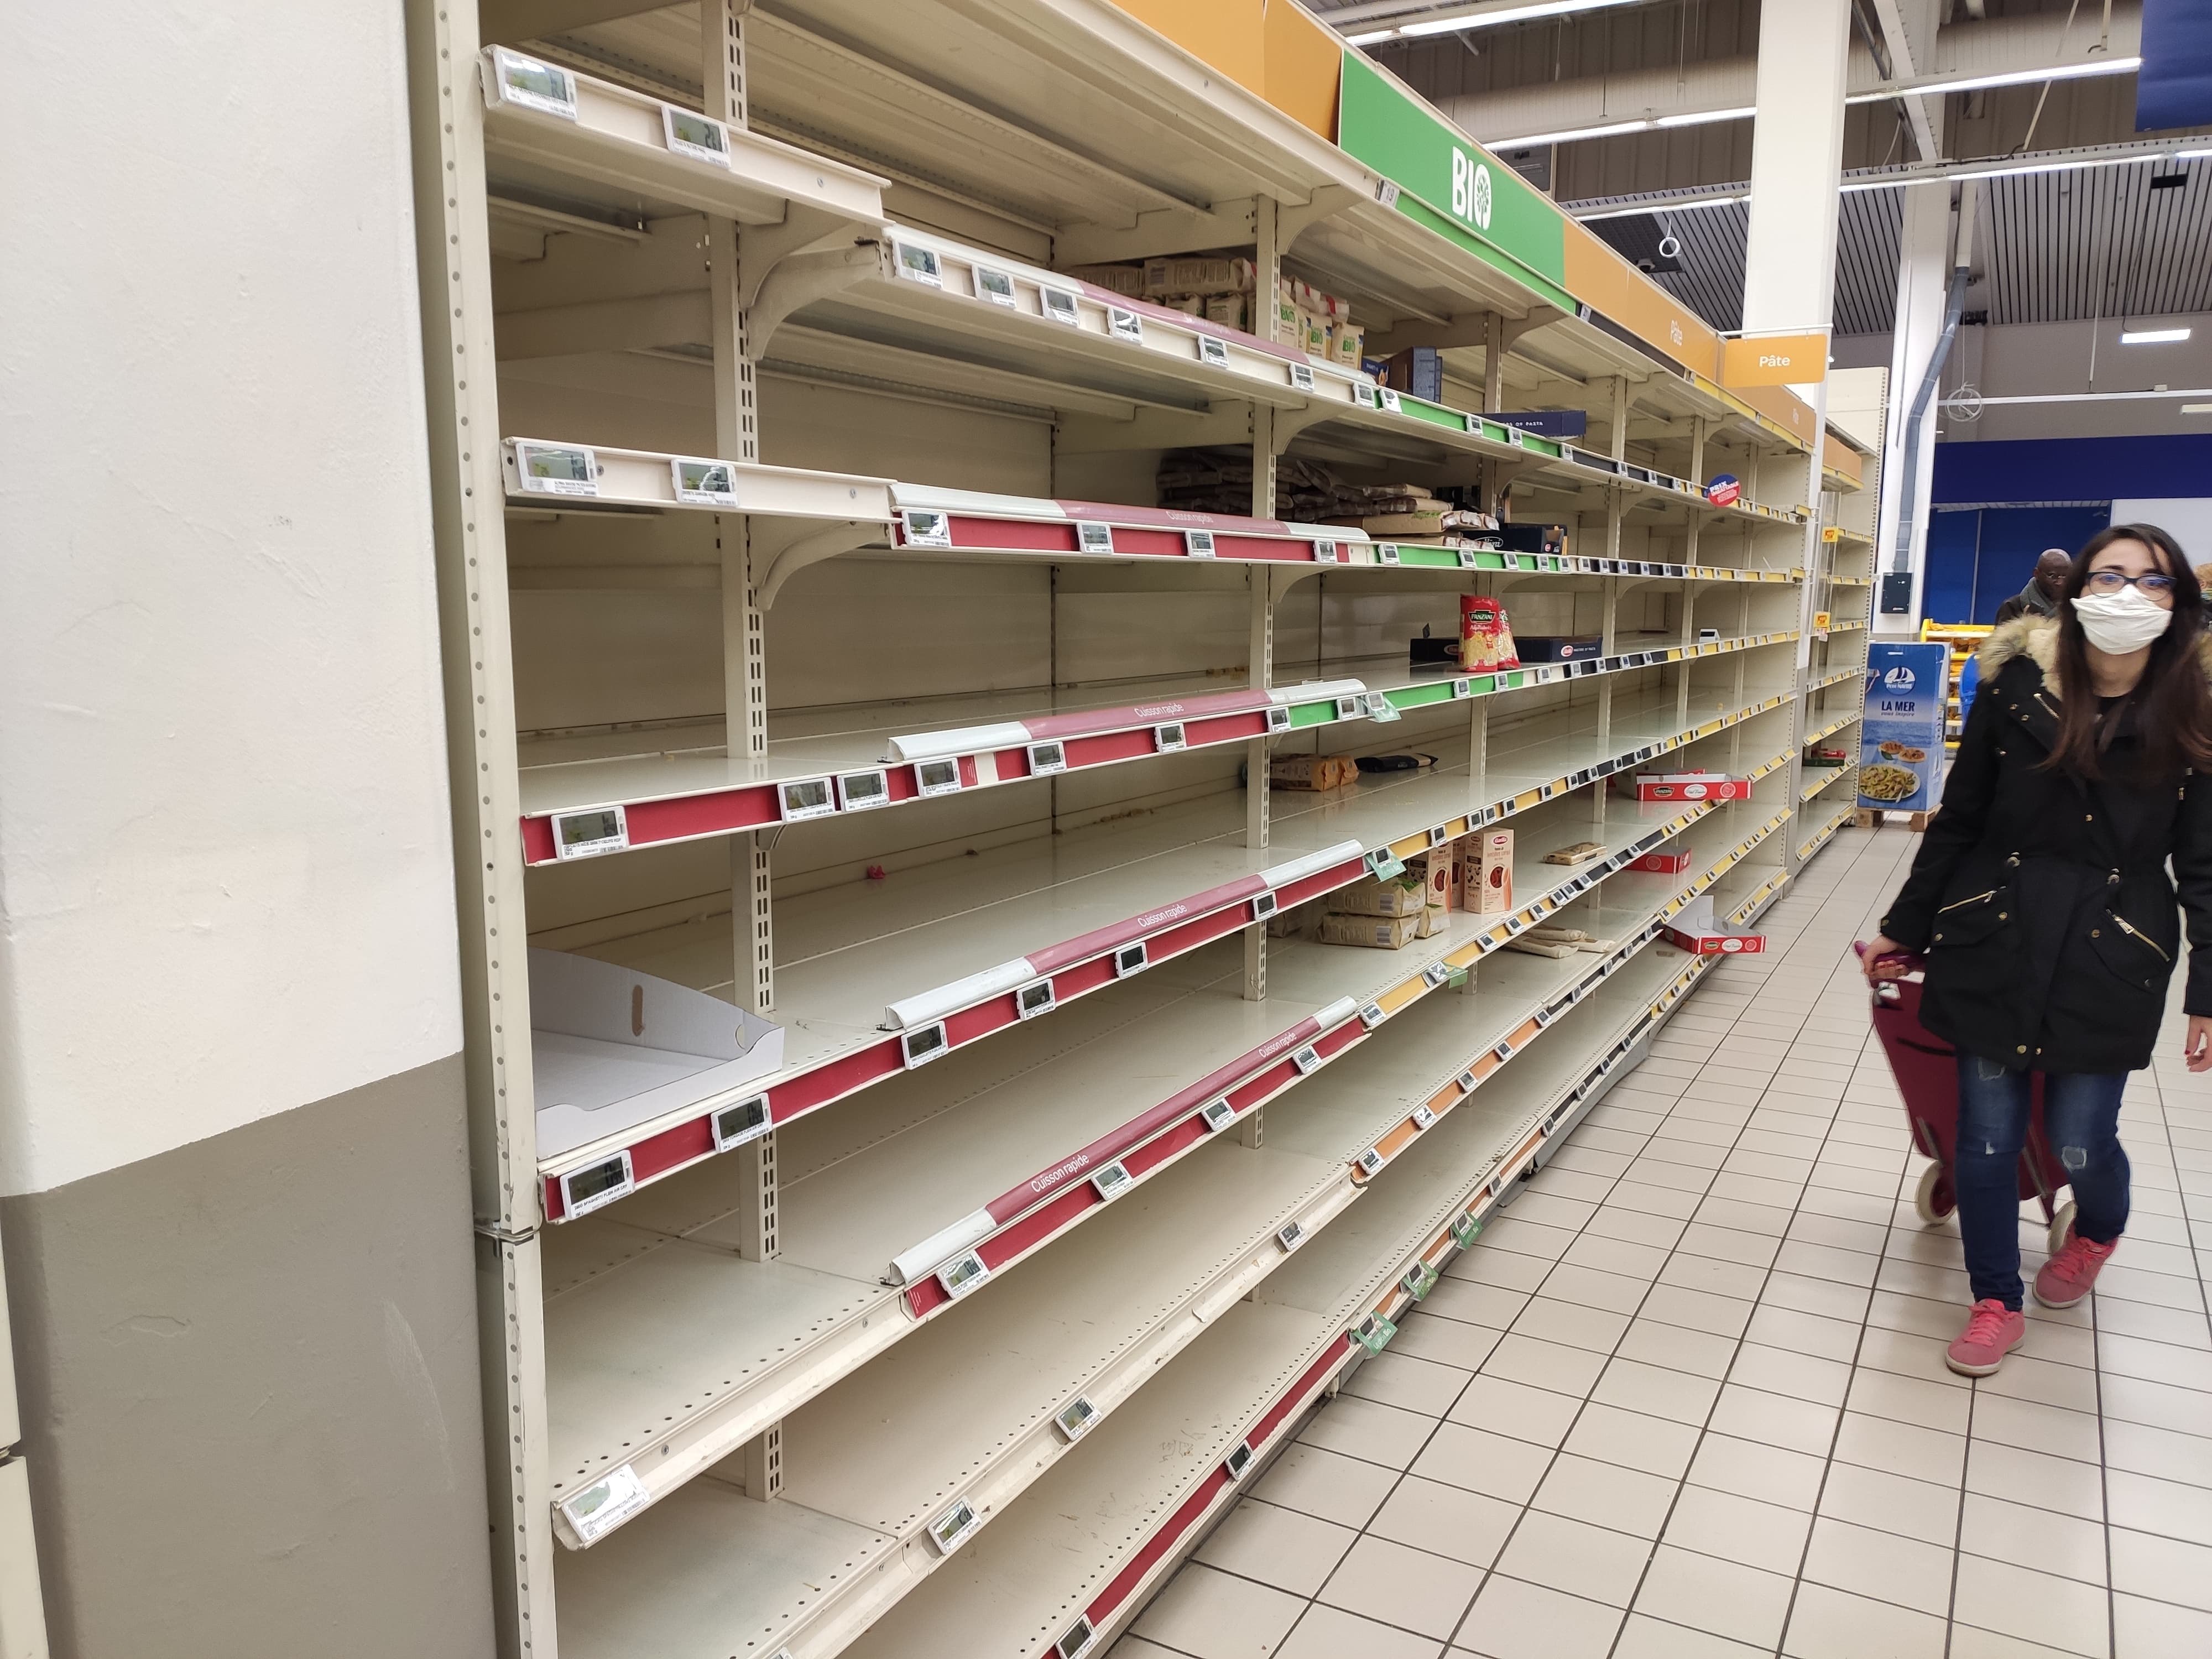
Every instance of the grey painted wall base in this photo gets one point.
(249, 1388)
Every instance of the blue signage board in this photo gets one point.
(1901, 738)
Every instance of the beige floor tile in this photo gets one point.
(1413, 1588)
(1912, 1399)
(1511, 1620)
(1645, 1637)
(1571, 1324)
(1474, 1302)
(1574, 1556)
(1757, 1190)
(1656, 1390)
(1502, 1271)
(1769, 1474)
(1517, 1238)
(2157, 1362)
(1625, 1259)
(1996, 1470)
(1607, 1495)
(1481, 1462)
(1775, 1419)
(1967, 1642)
(1447, 1342)
(1831, 1298)
(2040, 1538)
(1505, 1407)
(1883, 1565)
(1672, 1203)
(1786, 1371)
(1712, 1278)
(1630, 1225)
(2160, 1452)
(1803, 1332)
(1588, 1287)
(1398, 1378)
(1468, 1525)
(1360, 1428)
(1837, 1232)
(1634, 1440)
(1541, 1364)
(1903, 1449)
(2034, 1427)
(1552, 1210)
(2134, 1400)
(1833, 1624)
(2163, 1569)
(1136, 1647)
(2073, 1617)
(2166, 1507)
(2178, 1327)
(2044, 1382)
(1278, 1547)
(2155, 1630)
(1735, 1528)
(1724, 1597)
(1909, 1355)
(1678, 1348)
(1717, 1315)
(1326, 1484)
(1683, 1178)
(1771, 1220)
(1327, 1632)
(1215, 1615)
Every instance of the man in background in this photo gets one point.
(2040, 597)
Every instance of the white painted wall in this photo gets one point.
(2187, 518)
(225, 857)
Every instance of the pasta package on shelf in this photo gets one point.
(1374, 932)
(1694, 930)
(1435, 870)
(1488, 889)
(1537, 947)
(1486, 638)
(1400, 896)
(1684, 786)
(1312, 773)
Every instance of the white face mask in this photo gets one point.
(2123, 623)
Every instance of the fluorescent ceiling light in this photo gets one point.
(1703, 116)
(2197, 408)
(1511, 14)
(1662, 207)
(1370, 37)
(1608, 132)
(2190, 155)
(2152, 336)
(2074, 71)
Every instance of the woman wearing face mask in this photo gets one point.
(2041, 898)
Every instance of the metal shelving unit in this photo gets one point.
(853, 1181)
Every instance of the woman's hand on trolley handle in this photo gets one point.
(2197, 1047)
(1884, 958)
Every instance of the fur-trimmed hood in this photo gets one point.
(2036, 638)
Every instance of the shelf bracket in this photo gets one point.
(798, 280)
(809, 546)
(1326, 203)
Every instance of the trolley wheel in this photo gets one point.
(2061, 1225)
(1934, 1199)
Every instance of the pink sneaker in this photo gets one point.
(2072, 1274)
(1993, 1331)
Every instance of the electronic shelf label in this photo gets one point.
(858, 791)
(962, 1274)
(1290, 1236)
(1215, 1114)
(604, 1505)
(1423, 1117)
(1375, 1333)
(746, 1120)
(588, 834)
(1302, 376)
(1461, 688)
(528, 84)
(1363, 395)
(1388, 397)
(1075, 1641)
(1198, 543)
(1306, 1059)
(1092, 537)
(924, 527)
(699, 136)
(1378, 707)
(1168, 738)
(1504, 1050)
(1124, 325)
(1060, 306)
(596, 1185)
(1371, 1015)
(920, 264)
(556, 469)
(1347, 708)
(1238, 1461)
(1131, 959)
(1034, 998)
(1212, 351)
(1387, 553)
(805, 798)
(1263, 905)
(924, 1043)
(1370, 1162)
(1324, 552)
(1421, 1278)
(1469, 1082)
(1076, 1419)
(995, 285)
(1466, 558)
(1046, 757)
(1436, 974)
(937, 777)
(702, 483)
(1112, 1181)
(1466, 1229)
(954, 1524)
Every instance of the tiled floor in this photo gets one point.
(1687, 1399)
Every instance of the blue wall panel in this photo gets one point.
(1979, 558)
(2073, 469)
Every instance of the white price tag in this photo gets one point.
(937, 777)
(1386, 192)
(946, 1531)
(925, 1043)
(1465, 1230)
(995, 285)
(599, 1508)
(1371, 1015)
(1421, 1278)
(1306, 1059)
(1131, 959)
(1388, 396)
(962, 1274)
(1324, 552)
(1435, 975)
(1278, 717)
(1386, 553)
(1290, 1236)
(1378, 707)
(1347, 708)
(1198, 543)
(1034, 998)
(1302, 376)
(925, 527)
(1124, 325)
(1168, 737)
(588, 834)
(747, 1121)
(1504, 1050)
(1467, 1082)
(857, 790)
(1074, 1641)
(596, 1185)
(1462, 689)
(1215, 1114)
(1370, 1162)
(1423, 1117)
(527, 83)
(704, 483)
(805, 798)
(1238, 1459)
(918, 264)
(1046, 757)
(1263, 905)
(699, 136)
(1091, 537)
(556, 469)
(1060, 305)
(1467, 561)
(1213, 351)
(1075, 1419)
(1111, 1182)
(1363, 394)
(1375, 1333)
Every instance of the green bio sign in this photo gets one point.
(1458, 189)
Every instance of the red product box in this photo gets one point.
(1663, 864)
(1718, 944)
(1691, 786)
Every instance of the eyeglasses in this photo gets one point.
(2107, 584)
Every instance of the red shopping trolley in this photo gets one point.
(1927, 1072)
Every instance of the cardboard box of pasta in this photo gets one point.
(1673, 862)
(1436, 870)
(1375, 933)
(1393, 896)
(1489, 873)
(1689, 785)
(1312, 772)
(1718, 944)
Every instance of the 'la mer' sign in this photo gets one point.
(1774, 360)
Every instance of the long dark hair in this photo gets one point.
(2171, 702)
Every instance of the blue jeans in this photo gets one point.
(2080, 1119)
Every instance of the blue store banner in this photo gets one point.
(1901, 741)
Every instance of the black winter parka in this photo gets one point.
(2043, 902)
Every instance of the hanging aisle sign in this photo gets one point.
(1901, 736)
